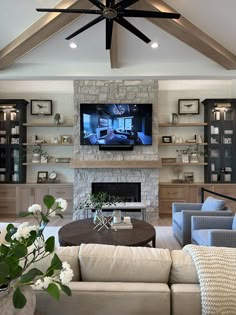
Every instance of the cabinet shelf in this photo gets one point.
(182, 144)
(48, 125)
(198, 124)
(185, 164)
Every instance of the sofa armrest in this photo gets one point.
(225, 238)
(179, 206)
(211, 222)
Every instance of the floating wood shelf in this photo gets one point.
(47, 164)
(47, 125)
(115, 164)
(182, 124)
(49, 144)
(185, 164)
(182, 144)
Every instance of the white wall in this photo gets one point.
(62, 95)
(169, 93)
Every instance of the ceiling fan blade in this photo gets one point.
(70, 11)
(85, 27)
(109, 28)
(125, 3)
(97, 4)
(132, 29)
(148, 14)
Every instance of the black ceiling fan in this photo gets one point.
(114, 11)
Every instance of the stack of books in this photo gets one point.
(122, 225)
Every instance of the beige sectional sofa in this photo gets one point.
(114, 280)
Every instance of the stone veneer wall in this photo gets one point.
(117, 91)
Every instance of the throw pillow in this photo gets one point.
(234, 223)
(213, 204)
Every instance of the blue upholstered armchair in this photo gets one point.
(182, 213)
(217, 231)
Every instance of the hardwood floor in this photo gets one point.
(164, 233)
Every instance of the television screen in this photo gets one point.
(116, 124)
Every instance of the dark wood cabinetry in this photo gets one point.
(12, 137)
(220, 114)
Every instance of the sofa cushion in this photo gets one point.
(213, 204)
(69, 254)
(178, 218)
(120, 263)
(183, 269)
(234, 223)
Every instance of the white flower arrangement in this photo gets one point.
(25, 245)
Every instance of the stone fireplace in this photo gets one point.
(117, 91)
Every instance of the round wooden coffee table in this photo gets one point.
(82, 231)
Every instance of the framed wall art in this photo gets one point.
(166, 139)
(42, 177)
(189, 106)
(41, 107)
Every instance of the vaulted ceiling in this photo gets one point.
(200, 44)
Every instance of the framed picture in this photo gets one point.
(166, 139)
(189, 106)
(65, 139)
(189, 177)
(41, 107)
(42, 177)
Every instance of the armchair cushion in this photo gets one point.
(213, 204)
(234, 223)
(178, 217)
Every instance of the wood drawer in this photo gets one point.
(65, 192)
(165, 206)
(172, 192)
(7, 192)
(7, 207)
(228, 190)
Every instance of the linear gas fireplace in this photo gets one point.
(130, 192)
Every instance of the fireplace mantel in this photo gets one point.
(116, 164)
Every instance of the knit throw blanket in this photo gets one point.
(216, 269)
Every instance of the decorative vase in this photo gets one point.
(6, 303)
(98, 216)
(36, 158)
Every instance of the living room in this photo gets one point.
(46, 73)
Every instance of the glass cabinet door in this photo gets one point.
(12, 137)
(220, 115)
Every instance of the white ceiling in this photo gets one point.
(173, 59)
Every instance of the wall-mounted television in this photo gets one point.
(115, 124)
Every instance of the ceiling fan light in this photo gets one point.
(73, 45)
(154, 45)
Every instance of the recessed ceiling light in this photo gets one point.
(154, 45)
(73, 45)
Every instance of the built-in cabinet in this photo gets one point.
(220, 115)
(169, 193)
(17, 198)
(12, 137)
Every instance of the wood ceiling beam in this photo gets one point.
(114, 48)
(190, 34)
(44, 28)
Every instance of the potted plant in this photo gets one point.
(25, 245)
(96, 201)
(38, 153)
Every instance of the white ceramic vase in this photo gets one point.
(36, 158)
(7, 307)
